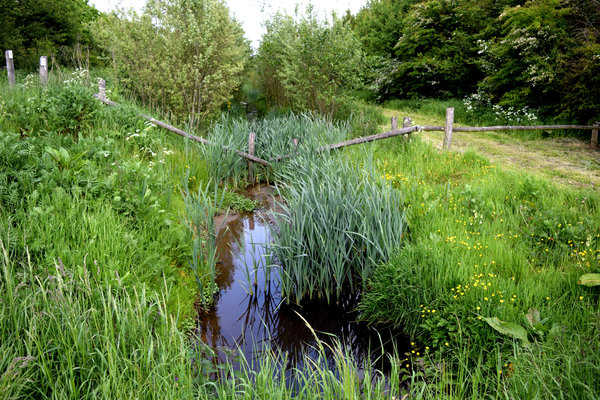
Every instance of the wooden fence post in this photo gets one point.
(595, 135)
(44, 69)
(448, 128)
(394, 123)
(10, 67)
(102, 89)
(251, 138)
(406, 124)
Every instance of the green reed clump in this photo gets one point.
(273, 139)
(341, 220)
(200, 210)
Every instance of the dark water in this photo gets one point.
(254, 323)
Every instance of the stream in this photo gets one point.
(253, 324)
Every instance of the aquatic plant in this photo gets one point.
(273, 139)
(340, 221)
(200, 210)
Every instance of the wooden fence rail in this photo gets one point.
(448, 129)
(188, 135)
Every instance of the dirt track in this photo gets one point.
(566, 161)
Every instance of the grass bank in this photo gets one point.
(98, 240)
(486, 282)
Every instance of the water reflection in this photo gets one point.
(256, 323)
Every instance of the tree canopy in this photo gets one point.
(32, 28)
(540, 53)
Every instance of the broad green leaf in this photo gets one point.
(589, 280)
(507, 328)
(64, 156)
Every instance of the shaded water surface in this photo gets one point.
(261, 321)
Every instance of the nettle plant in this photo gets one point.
(70, 107)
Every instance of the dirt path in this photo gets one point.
(565, 161)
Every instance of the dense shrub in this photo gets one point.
(185, 57)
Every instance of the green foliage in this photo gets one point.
(64, 159)
(306, 63)
(487, 254)
(185, 57)
(339, 221)
(589, 280)
(66, 108)
(508, 54)
(69, 108)
(238, 202)
(274, 136)
(380, 24)
(33, 28)
(523, 65)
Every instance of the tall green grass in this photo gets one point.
(340, 220)
(484, 243)
(273, 139)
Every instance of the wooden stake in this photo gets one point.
(394, 123)
(44, 70)
(102, 89)
(448, 128)
(595, 135)
(295, 143)
(10, 67)
(406, 124)
(251, 138)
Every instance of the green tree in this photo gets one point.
(307, 63)
(379, 25)
(524, 65)
(32, 28)
(437, 51)
(185, 57)
(580, 84)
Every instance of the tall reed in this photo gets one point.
(273, 139)
(200, 210)
(340, 221)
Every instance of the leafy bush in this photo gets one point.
(193, 55)
(306, 63)
(69, 108)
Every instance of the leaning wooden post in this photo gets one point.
(595, 135)
(102, 89)
(251, 138)
(406, 124)
(10, 67)
(44, 70)
(448, 128)
(394, 123)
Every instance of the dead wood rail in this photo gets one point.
(449, 128)
(405, 130)
(186, 134)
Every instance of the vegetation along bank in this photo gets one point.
(106, 221)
